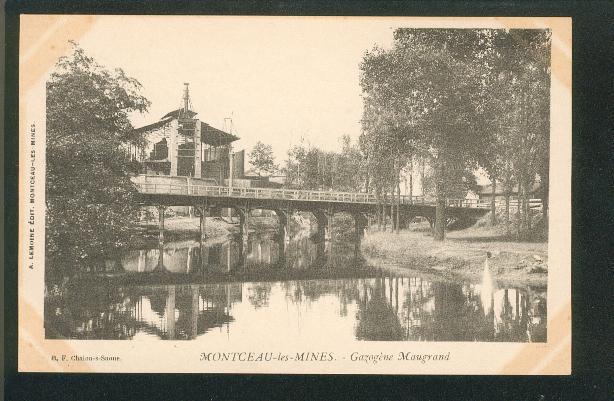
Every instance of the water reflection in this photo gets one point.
(163, 312)
(192, 256)
(382, 308)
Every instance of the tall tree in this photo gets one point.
(262, 159)
(459, 98)
(517, 83)
(349, 167)
(89, 194)
(313, 168)
(292, 170)
(422, 96)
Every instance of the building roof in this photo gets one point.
(215, 137)
(175, 114)
(152, 126)
(209, 135)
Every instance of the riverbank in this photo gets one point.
(461, 255)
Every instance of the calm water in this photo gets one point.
(269, 288)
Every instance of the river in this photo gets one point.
(268, 288)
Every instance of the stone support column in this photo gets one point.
(204, 256)
(203, 211)
(282, 217)
(161, 210)
(228, 257)
(360, 224)
(322, 223)
(160, 265)
(243, 222)
(330, 216)
(281, 242)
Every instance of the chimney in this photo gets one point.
(186, 98)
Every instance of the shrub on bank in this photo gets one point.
(538, 231)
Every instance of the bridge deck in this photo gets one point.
(182, 186)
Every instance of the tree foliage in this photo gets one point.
(457, 99)
(262, 159)
(308, 167)
(518, 78)
(89, 194)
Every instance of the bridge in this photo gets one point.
(163, 191)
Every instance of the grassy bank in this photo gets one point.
(461, 255)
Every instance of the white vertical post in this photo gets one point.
(232, 168)
(172, 146)
(197, 150)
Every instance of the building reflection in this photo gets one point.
(384, 308)
(191, 257)
(172, 312)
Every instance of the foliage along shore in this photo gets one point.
(462, 255)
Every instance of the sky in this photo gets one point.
(279, 79)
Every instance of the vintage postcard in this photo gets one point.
(227, 194)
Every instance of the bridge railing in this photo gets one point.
(174, 188)
(254, 193)
(499, 203)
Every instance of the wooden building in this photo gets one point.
(180, 144)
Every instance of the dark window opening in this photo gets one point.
(185, 159)
(160, 151)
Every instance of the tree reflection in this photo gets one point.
(380, 309)
(377, 320)
(258, 294)
(346, 291)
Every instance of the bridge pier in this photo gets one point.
(228, 257)
(321, 256)
(204, 257)
(281, 244)
(188, 264)
(282, 217)
(243, 221)
(161, 209)
(204, 212)
(405, 220)
(242, 255)
(330, 217)
(322, 220)
(282, 235)
(360, 224)
(160, 266)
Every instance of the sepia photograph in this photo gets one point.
(296, 194)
